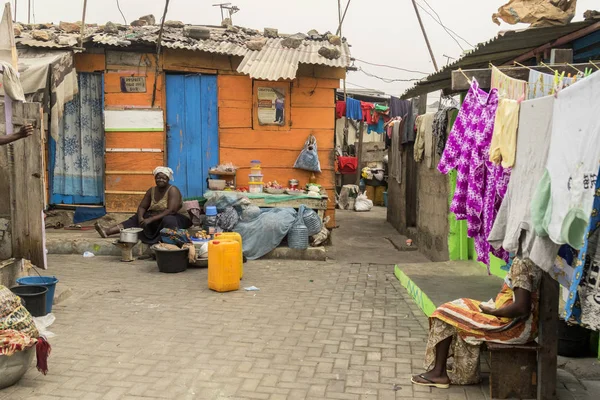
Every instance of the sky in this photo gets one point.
(379, 31)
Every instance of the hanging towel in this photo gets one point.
(504, 139)
(353, 109)
(340, 109)
(508, 88)
(541, 84)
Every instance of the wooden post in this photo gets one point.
(27, 187)
(548, 340)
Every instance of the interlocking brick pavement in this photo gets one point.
(329, 330)
(343, 329)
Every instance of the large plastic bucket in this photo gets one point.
(46, 281)
(34, 297)
(171, 261)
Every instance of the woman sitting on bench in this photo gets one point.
(457, 329)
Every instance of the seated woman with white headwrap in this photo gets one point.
(160, 208)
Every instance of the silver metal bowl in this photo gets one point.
(14, 367)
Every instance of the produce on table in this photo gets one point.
(274, 185)
(202, 235)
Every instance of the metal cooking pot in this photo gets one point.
(130, 235)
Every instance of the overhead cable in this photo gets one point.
(387, 80)
(438, 20)
(391, 66)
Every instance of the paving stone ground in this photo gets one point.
(315, 330)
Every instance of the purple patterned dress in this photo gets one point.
(480, 184)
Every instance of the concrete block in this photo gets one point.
(310, 254)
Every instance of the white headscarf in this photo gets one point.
(163, 170)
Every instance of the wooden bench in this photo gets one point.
(513, 370)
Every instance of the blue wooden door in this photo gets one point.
(192, 131)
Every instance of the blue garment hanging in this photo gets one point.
(353, 109)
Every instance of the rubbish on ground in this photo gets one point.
(251, 289)
(88, 254)
(363, 203)
(42, 324)
(322, 236)
(409, 242)
(538, 13)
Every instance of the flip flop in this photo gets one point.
(100, 230)
(430, 384)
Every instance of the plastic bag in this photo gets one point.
(312, 221)
(309, 158)
(363, 203)
(42, 324)
(228, 219)
(249, 213)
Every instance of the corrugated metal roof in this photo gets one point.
(277, 62)
(502, 49)
(273, 62)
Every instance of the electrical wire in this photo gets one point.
(446, 29)
(439, 21)
(387, 80)
(122, 15)
(390, 66)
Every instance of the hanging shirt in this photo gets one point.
(399, 108)
(508, 88)
(367, 108)
(440, 128)
(480, 184)
(504, 139)
(378, 127)
(424, 140)
(340, 109)
(353, 109)
(564, 197)
(513, 228)
(541, 84)
(408, 132)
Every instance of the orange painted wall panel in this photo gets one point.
(312, 98)
(86, 62)
(313, 118)
(137, 183)
(256, 139)
(123, 203)
(146, 140)
(133, 161)
(234, 87)
(235, 117)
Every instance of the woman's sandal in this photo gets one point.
(100, 230)
(430, 383)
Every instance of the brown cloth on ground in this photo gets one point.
(538, 13)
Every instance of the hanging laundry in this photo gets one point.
(399, 108)
(504, 139)
(513, 228)
(396, 151)
(541, 84)
(440, 128)
(347, 165)
(409, 133)
(583, 301)
(480, 184)
(12, 85)
(340, 109)
(367, 111)
(563, 202)
(377, 128)
(424, 141)
(353, 109)
(509, 88)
